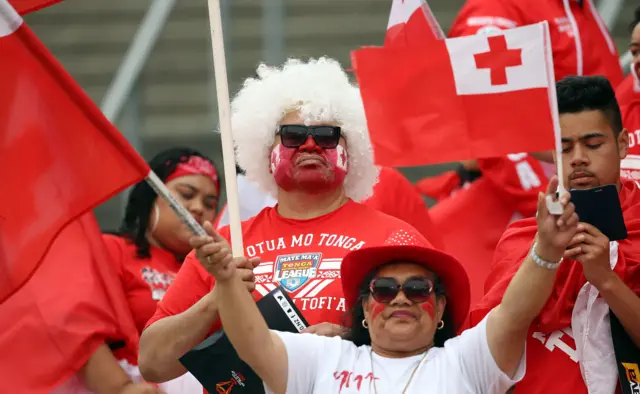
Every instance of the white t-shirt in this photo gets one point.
(323, 365)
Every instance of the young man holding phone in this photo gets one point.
(571, 338)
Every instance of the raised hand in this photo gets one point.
(555, 232)
(590, 247)
(214, 254)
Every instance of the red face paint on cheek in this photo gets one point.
(376, 309)
(429, 307)
(282, 166)
(288, 177)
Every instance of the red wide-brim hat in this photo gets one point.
(357, 264)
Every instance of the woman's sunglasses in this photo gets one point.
(295, 135)
(416, 289)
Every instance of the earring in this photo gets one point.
(364, 323)
(440, 324)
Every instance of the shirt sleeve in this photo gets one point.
(471, 352)
(190, 285)
(304, 353)
(484, 16)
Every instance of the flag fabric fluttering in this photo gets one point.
(459, 98)
(73, 303)
(24, 7)
(60, 158)
(411, 22)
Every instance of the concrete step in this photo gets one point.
(183, 125)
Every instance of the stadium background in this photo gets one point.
(172, 100)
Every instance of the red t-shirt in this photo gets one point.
(396, 196)
(303, 256)
(628, 95)
(144, 281)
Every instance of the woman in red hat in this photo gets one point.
(407, 300)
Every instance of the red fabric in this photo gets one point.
(196, 165)
(424, 124)
(309, 250)
(546, 370)
(471, 223)
(628, 95)
(598, 58)
(144, 281)
(518, 178)
(60, 157)
(26, 6)
(411, 30)
(71, 305)
(440, 186)
(396, 196)
(625, 92)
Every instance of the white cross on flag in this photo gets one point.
(460, 98)
(411, 22)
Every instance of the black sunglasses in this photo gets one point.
(295, 135)
(417, 289)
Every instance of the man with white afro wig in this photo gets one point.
(300, 134)
(313, 93)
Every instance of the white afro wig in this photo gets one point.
(321, 91)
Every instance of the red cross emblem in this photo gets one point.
(498, 59)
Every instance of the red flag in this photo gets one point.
(411, 22)
(26, 6)
(459, 98)
(71, 305)
(60, 157)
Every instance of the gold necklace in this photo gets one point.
(375, 388)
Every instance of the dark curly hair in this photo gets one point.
(142, 197)
(589, 93)
(360, 335)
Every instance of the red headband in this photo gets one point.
(196, 165)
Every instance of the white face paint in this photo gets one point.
(275, 158)
(342, 161)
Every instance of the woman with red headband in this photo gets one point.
(152, 241)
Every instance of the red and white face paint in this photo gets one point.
(312, 178)
(429, 307)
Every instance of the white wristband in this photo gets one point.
(543, 263)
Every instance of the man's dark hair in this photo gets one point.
(594, 93)
(635, 21)
(142, 197)
(360, 335)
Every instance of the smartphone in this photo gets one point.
(600, 207)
